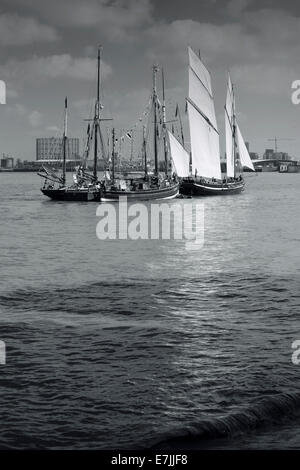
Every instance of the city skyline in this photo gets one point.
(54, 54)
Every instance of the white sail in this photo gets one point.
(180, 156)
(202, 120)
(204, 146)
(200, 70)
(243, 151)
(229, 122)
(199, 95)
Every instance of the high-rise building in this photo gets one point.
(7, 162)
(51, 148)
(269, 154)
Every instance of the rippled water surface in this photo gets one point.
(128, 344)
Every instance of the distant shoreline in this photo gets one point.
(24, 170)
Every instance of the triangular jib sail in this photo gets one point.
(180, 157)
(243, 151)
(204, 134)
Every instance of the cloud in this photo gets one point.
(115, 19)
(262, 49)
(10, 93)
(53, 67)
(21, 31)
(265, 79)
(53, 129)
(236, 7)
(35, 118)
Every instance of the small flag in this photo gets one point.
(128, 135)
(66, 102)
(177, 111)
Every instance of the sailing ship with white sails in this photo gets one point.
(203, 174)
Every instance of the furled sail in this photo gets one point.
(202, 120)
(180, 156)
(243, 151)
(229, 126)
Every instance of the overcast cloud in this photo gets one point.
(48, 50)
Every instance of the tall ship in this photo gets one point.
(204, 177)
(86, 186)
(151, 184)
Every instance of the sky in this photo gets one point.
(48, 51)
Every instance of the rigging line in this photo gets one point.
(202, 114)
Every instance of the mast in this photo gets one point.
(113, 155)
(97, 116)
(144, 150)
(177, 113)
(131, 145)
(154, 101)
(65, 143)
(234, 133)
(164, 122)
(230, 130)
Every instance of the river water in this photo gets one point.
(123, 344)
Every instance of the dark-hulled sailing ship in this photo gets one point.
(150, 185)
(86, 187)
(201, 170)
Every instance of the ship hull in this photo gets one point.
(72, 195)
(193, 188)
(142, 195)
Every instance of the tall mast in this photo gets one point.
(97, 116)
(234, 133)
(131, 145)
(144, 150)
(164, 122)
(180, 122)
(154, 100)
(113, 155)
(65, 142)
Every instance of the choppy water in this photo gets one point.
(128, 344)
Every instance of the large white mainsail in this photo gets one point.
(180, 156)
(204, 134)
(229, 129)
(243, 151)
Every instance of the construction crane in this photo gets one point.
(275, 140)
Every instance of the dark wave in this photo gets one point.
(268, 411)
(228, 286)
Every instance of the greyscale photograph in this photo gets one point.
(149, 204)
